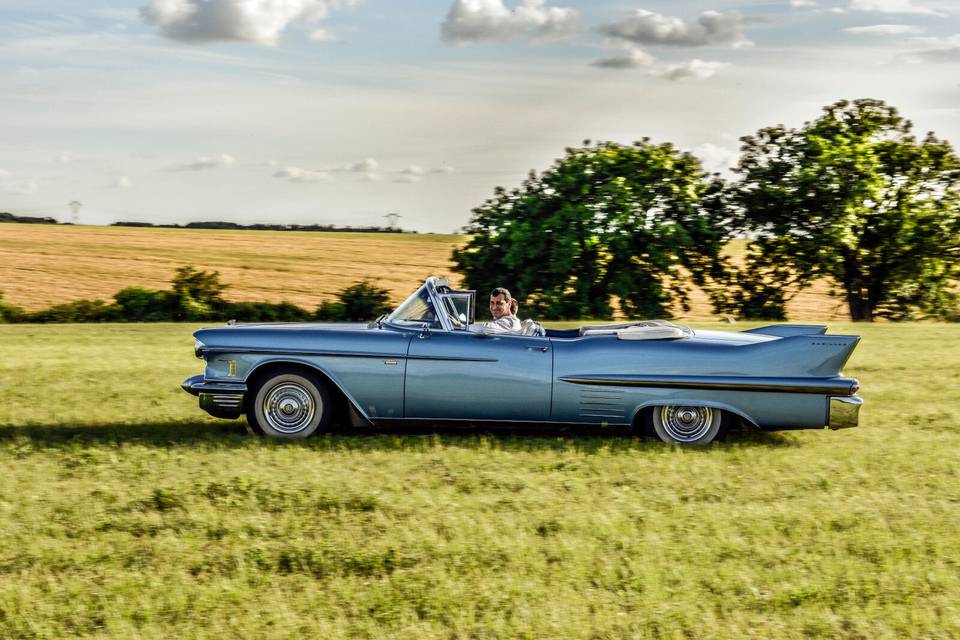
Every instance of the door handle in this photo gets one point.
(540, 349)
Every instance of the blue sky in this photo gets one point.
(338, 111)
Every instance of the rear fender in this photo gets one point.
(690, 402)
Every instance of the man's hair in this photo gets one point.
(500, 291)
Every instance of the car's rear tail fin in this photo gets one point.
(819, 356)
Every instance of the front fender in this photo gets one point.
(319, 368)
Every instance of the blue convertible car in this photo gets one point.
(426, 362)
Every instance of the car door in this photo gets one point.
(468, 376)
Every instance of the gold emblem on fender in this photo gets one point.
(231, 368)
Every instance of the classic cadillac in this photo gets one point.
(428, 362)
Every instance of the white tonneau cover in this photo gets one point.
(642, 330)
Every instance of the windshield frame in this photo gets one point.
(430, 288)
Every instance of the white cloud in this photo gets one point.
(630, 59)
(716, 159)
(938, 50)
(322, 35)
(122, 182)
(12, 185)
(413, 170)
(891, 6)
(371, 177)
(695, 69)
(65, 157)
(473, 21)
(948, 54)
(803, 3)
(362, 166)
(259, 21)
(408, 178)
(949, 41)
(885, 30)
(710, 28)
(445, 169)
(296, 174)
(207, 162)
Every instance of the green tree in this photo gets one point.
(138, 304)
(637, 223)
(364, 301)
(9, 312)
(856, 198)
(198, 293)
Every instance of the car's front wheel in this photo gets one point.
(290, 404)
(687, 425)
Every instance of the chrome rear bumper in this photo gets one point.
(219, 399)
(845, 412)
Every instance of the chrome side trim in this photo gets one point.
(845, 412)
(825, 386)
(338, 354)
(482, 421)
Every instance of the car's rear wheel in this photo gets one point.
(687, 425)
(290, 404)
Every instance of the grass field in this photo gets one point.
(128, 513)
(41, 265)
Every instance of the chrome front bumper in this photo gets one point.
(845, 412)
(219, 399)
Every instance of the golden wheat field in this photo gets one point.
(41, 265)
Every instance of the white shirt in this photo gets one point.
(504, 324)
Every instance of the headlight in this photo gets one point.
(198, 348)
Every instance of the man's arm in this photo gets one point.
(506, 324)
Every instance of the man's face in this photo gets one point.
(499, 306)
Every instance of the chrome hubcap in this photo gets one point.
(686, 424)
(289, 408)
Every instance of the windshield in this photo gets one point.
(415, 310)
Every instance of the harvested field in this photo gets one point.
(42, 265)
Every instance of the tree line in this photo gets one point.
(853, 197)
(235, 226)
(197, 296)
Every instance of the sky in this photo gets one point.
(343, 111)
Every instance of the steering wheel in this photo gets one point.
(455, 321)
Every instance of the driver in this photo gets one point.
(503, 309)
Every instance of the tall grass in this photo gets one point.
(126, 512)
